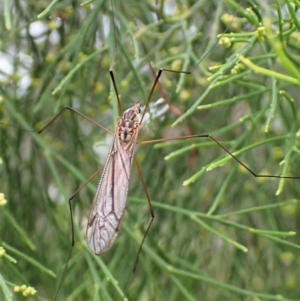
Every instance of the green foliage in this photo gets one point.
(224, 234)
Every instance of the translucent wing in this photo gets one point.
(110, 199)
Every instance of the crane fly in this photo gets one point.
(109, 203)
(110, 200)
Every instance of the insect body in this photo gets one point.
(111, 195)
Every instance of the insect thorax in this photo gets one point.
(129, 123)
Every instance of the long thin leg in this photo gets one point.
(154, 85)
(224, 148)
(149, 225)
(111, 73)
(96, 173)
(151, 212)
(76, 112)
(73, 195)
(72, 228)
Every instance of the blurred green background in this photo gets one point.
(224, 235)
